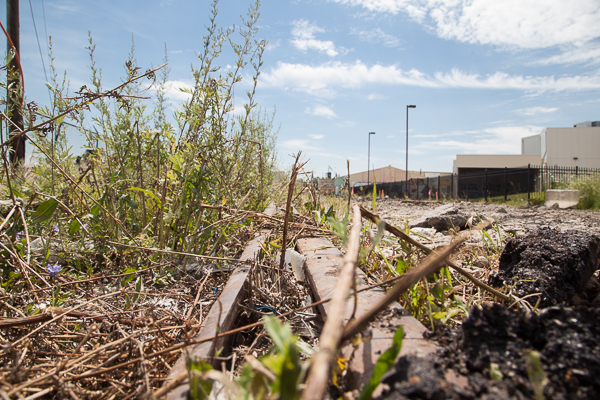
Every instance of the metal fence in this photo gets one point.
(485, 183)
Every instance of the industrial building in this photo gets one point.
(383, 175)
(578, 146)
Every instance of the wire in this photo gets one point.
(45, 28)
(40, 48)
(38, 40)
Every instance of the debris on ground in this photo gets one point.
(501, 353)
(549, 264)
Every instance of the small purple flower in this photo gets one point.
(244, 219)
(20, 235)
(85, 226)
(253, 186)
(53, 269)
(55, 228)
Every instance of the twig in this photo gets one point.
(426, 267)
(288, 205)
(332, 331)
(62, 315)
(171, 252)
(189, 314)
(395, 231)
(179, 346)
(348, 185)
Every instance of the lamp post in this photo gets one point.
(407, 107)
(369, 158)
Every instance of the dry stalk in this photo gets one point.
(426, 267)
(288, 206)
(332, 331)
(397, 232)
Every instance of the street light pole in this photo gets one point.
(369, 159)
(406, 177)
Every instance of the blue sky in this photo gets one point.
(482, 73)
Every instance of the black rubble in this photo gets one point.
(554, 263)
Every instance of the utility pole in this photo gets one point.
(15, 84)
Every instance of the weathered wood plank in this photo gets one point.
(223, 316)
(323, 262)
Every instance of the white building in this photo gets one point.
(578, 146)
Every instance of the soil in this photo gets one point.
(554, 263)
(488, 356)
(501, 342)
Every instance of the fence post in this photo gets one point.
(528, 179)
(505, 183)
(576, 170)
(439, 188)
(467, 185)
(485, 186)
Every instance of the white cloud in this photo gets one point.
(325, 79)
(584, 54)
(519, 23)
(496, 140)
(273, 45)
(297, 144)
(530, 111)
(321, 111)
(173, 90)
(304, 39)
(375, 96)
(388, 6)
(316, 137)
(377, 36)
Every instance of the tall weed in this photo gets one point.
(146, 176)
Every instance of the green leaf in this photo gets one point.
(281, 334)
(130, 202)
(74, 226)
(199, 388)
(383, 364)
(16, 193)
(536, 374)
(128, 278)
(138, 288)
(149, 193)
(401, 266)
(44, 211)
(438, 292)
(95, 210)
(439, 315)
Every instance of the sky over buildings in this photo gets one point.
(482, 73)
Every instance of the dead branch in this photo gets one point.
(332, 331)
(426, 267)
(397, 232)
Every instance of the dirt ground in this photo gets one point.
(514, 221)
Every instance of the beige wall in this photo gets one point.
(561, 145)
(382, 175)
(495, 161)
